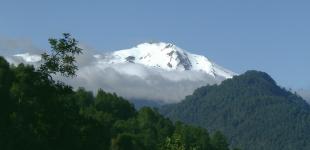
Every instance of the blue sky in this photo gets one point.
(268, 35)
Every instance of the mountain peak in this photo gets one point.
(155, 47)
(157, 44)
(253, 76)
(257, 82)
(169, 57)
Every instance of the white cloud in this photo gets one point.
(139, 82)
(132, 81)
(28, 57)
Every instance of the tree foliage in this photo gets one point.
(62, 57)
(38, 113)
(251, 110)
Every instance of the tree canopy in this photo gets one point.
(251, 110)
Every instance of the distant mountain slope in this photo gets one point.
(251, 110)
(157, 72)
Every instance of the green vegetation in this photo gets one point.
(62, 57)
(38, 113)
(251, 110)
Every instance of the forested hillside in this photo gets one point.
(251, 110)
(37, 112)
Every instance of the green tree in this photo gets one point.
(125, 141)
(174, 143)
(6, 103)
(193, 137)
(219, 142)
(62, 57)
(114, 105)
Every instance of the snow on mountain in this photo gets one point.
(168, 57)
(161, 72)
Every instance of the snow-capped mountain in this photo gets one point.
(168, 57)
(157, 72)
